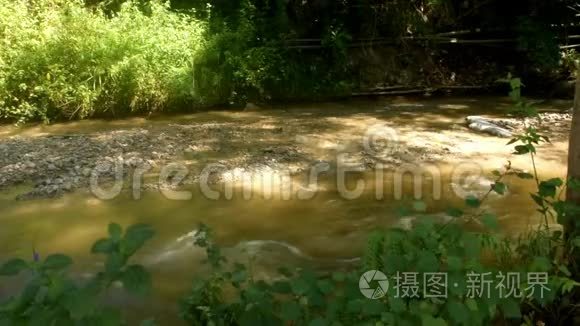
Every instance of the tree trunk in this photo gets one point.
(574, 157)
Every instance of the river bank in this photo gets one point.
(53, 160)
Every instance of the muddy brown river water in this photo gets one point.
(316, 224)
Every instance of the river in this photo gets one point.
(316, 224)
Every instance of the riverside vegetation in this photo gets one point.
(231, 295)
(73, 60)
(62, 60)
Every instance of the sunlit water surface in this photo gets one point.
(327, 231)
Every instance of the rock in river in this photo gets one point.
(487, 126)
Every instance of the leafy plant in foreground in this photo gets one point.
(561, 250)
(52, 297)
(231, 295)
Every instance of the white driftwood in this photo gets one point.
(487, 126)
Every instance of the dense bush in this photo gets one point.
(62, 60)
(246, 59)
(77, 59)
(232, 296)
(59, 59)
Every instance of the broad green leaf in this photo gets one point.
(79, 303)
(136, 280)
(114, 263)
(57, 262)
(103, 246)
(515, 83)
(522, 149)
(499, 187)
(556, 182)
(537, 199)
(13, 267)
(57, 287)
(547, 189)
(31, 290)
(136, 236)
(115, 231)
(454, 212)
(524, 175)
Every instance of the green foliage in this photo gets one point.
(51, 297)
(62, 60)
(538, 41)
(70, 60)
(305, 297)
(551, 250)
(246, 59)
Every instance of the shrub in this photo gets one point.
(51, 297)
(62, 60)
(232, 296)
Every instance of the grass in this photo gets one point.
(62, 60)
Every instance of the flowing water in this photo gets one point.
(326, 231)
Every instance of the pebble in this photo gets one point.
(56, 165)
